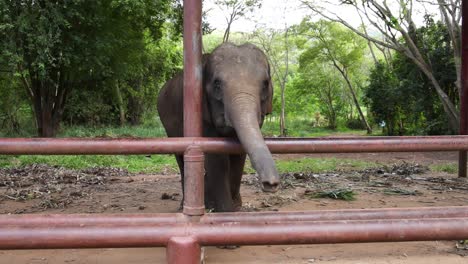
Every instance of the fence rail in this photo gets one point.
(183, 234)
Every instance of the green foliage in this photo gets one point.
(58, 47)
(13, 104)
(136, 164)
(317, 165)
(330, 67)
(401, 95)
(355, 124)
(386, 100)
(319, 82)
(306, 126)
(276, 43)
(150, 131)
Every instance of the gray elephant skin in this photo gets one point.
(237, 95)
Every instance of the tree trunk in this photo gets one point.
(283, 84)
(331, 113)
(355, 100)
(449, 108)
(120, 103)
(228, 28)
(135, 104)
(48, 104)
(283, 132)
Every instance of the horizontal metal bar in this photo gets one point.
(79, 146)
(115, 220)
(318, 232)
(347, 214)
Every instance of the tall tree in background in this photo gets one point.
(277, 46)
(320, 80)
(342, 48)
(236, 9)
(402, 95)
(55, 47)
(397, 26)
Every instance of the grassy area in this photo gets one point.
(167, 163)
(301, 128)
(163, 163)
(133, 163)
(318, 165)
(451, 168)
(113, 132)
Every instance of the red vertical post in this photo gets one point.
(194, 204)
(464, 88)
(194, 191)
(183, 250)
(192, 68)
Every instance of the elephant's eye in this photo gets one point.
(264, 94)
(217, 91)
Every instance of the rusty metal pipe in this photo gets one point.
(333, 232)
(183, 250)
(335, 215)
(194, 184)
(76, 146)
(192, 68)
(318, 232)
(94, 220)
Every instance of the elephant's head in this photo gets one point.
(238, 94)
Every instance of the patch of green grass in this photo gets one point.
(317, 165)
(113, 132)
(451, 168)
(165, 163)
(133, 163)
(339, 194)
(304, 128)
(399, 191)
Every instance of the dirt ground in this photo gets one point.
(402, 180)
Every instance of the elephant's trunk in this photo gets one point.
(244, 116)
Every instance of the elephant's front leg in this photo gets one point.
(217, 184)
(237, 163)
(180, 163)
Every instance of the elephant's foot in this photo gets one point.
(237, 202)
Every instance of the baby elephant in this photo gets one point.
(237, 95)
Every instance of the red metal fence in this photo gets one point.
(183, 234)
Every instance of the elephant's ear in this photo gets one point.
(205, 103)
(269, 102)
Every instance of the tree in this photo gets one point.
(397, 27)
(402, 95)
(385, 99)
(277, 46)
(55, 47)
(236, 9)
(342, 48)
(321, 81)
(11, 103)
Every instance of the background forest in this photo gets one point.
(94, 68)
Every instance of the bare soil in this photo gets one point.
(402, 180)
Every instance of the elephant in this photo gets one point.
(237, 95)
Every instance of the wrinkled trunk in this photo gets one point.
(244, 114)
